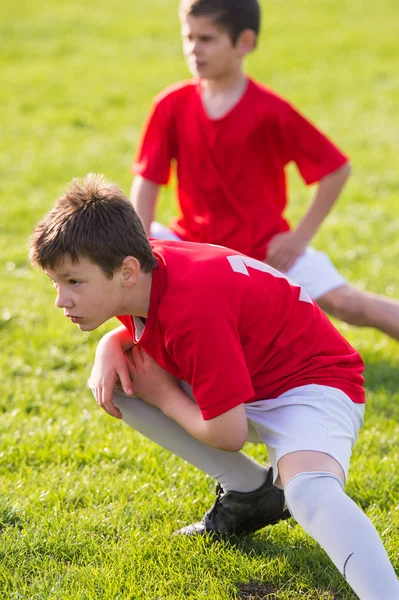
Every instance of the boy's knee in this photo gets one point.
(308, 493)
(123, 401)
(347, 304)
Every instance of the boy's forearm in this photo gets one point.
(143, 196)
(325, 197)
(227, 432)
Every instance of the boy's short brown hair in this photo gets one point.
(232, 15)
(93, 220)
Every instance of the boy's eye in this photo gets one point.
(74, 282)
(201, 38)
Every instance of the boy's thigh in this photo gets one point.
(306, 461)
(312, 418)
(315, 273)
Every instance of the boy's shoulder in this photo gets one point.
(195, 269)
(176, 90)
(268, 98)
(261, 96)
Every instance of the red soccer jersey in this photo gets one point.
(237, 330)
(231, 171)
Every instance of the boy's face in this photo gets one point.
(208, 49)
(87, 296)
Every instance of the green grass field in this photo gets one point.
(87, 505)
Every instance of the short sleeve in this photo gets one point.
(313, 153)
(156, 145)
(210, 358)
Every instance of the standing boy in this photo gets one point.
(231, 139)
(262, 360)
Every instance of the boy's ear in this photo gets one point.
(246, 42)
(130, 271)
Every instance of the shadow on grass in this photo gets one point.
(309, 565)
(266, 591)
(254, 591)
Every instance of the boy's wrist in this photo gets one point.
(303, 234)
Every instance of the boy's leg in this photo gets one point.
(317, 275)
(246, 499)
(363, 309)
(233, 470)
(310, 432)
(314, 490)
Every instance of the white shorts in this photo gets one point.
(310, 417)
(313, 271)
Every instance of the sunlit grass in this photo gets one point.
(87, 505)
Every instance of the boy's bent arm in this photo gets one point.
(326, 195)
(119, 336)
(227, 432)
(110, 369)
(143, 196)
(285, 248)
(161, 389)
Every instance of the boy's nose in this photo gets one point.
(196, 49)
(192, 47)
(62, 301)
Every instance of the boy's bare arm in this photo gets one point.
(325, 197)
(111, 369)
(285, 248)
(227, 432)
(143, 196)
(160, 389)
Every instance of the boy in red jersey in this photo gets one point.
(231, 139)
(260, 358)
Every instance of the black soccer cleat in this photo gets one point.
(241, 513)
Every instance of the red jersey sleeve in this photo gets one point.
(314, 154)
(210, 358)
(156, 145)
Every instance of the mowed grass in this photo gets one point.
(87, 505)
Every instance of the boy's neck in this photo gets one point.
(227, 84)
(221, 95)
(137, 298)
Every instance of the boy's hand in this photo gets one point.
(160, 389)
(151, 382)
(110, 370)
(284, 250)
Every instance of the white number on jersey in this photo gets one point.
(239, 264)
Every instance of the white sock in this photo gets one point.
(319, 504)
(233, 470)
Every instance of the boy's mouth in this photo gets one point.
(198, 64)
(73, 318)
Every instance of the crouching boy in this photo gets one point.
(257, 359)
